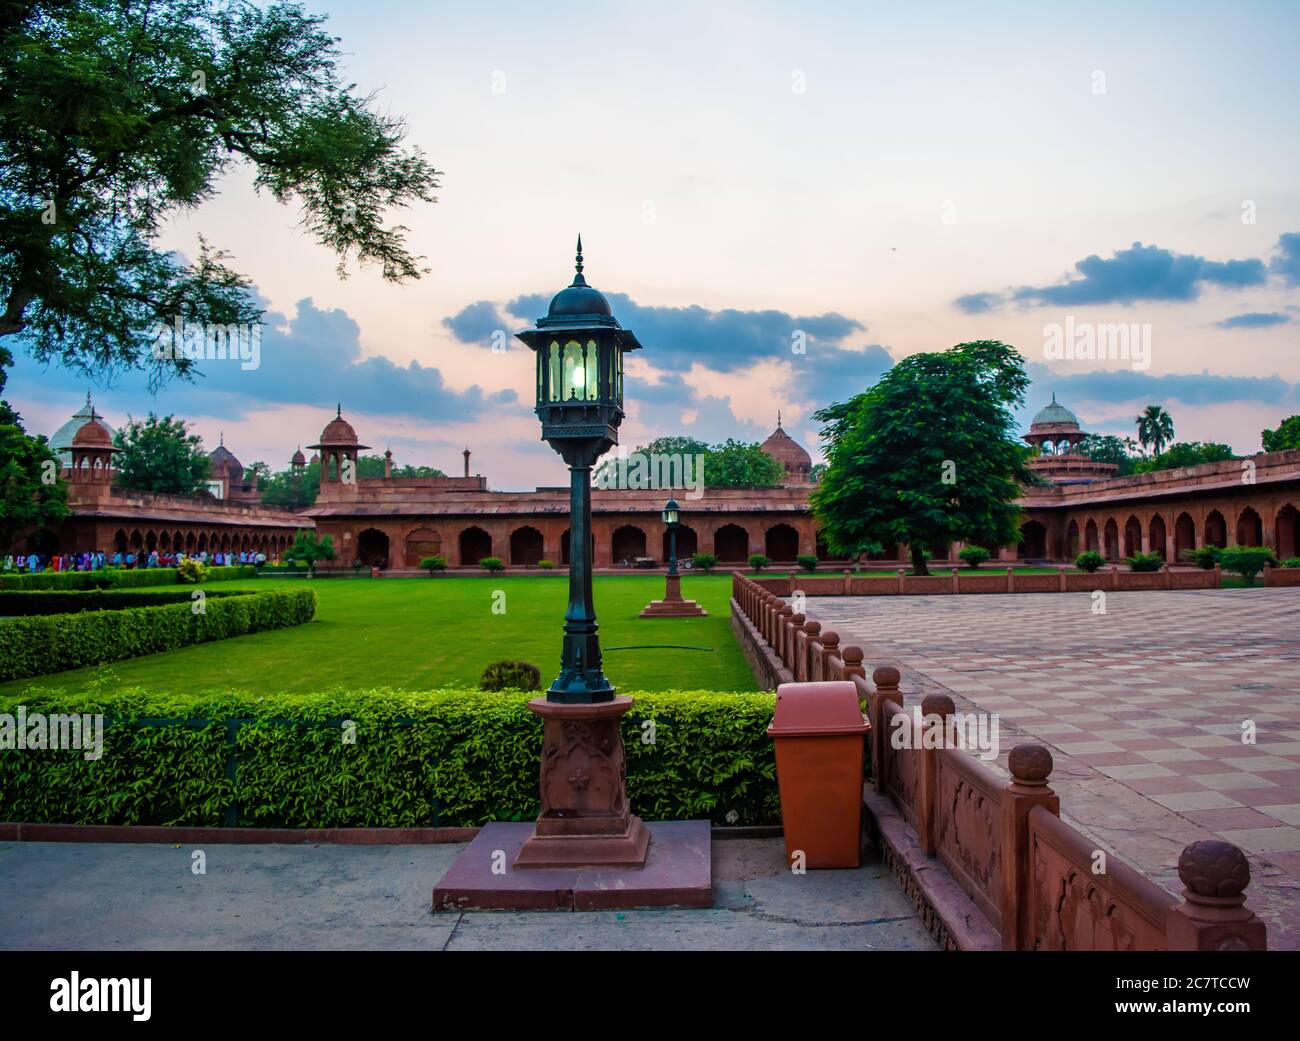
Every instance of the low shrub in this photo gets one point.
(704, 562)
(41, 644)
(117, 578)
(1089, 561)
(546, 565)
(493, 564)
(974, 556)
(191, 571)
(511, 675)
(432, 564)
(453, 758)
(1291, 562)
(758, 561)
(1204, 558)
(807, 561)
(1144, 562)
(1246, 561)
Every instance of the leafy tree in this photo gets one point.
(32, 495)
(974, 556)
(309, 548)
(1286, 436)
(1185, 453)
(1155, 427)
(927, 456)
(259, 470)
(432, 564)
(817, 471)
(674, 446)
(290, 489)
(373, 466)
(116, 115)
(1107, 448)
(736, 464)
(161, 455)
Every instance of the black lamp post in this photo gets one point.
(579, 347)
(672, 518)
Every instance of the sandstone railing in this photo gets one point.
(1011, 874)
(990, 580)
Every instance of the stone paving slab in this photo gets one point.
(108, 896)
(1142, 706)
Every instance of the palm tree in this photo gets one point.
(1155, 427)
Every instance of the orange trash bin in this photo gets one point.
(818, 730)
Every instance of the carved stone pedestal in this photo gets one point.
(672, 605)
(585, 819)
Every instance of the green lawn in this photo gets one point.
(421, 633)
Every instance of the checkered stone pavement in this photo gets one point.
(1147, 708)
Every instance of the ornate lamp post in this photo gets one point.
(672, 605)
(579, 386)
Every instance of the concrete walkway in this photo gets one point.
(95, 896)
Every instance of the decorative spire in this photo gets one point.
(578, 280)
(778, 419)
(221, 438)
(339, 413)
(1053, 397)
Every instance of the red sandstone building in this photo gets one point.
(395, 521)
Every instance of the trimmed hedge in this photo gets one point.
(38, 645)
(116, 578)
(443, 758)
(58, 601)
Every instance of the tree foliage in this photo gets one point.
(32, 495)
(927, 456)
(160, 455)
(115, 115)
(1185, 453)
(1155, 427)
(1286, 436)
(1107, 448)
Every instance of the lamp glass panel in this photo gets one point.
(555, 383)
(592, 371)
(575, 377)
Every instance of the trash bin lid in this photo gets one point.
(810, 709)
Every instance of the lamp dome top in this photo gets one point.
(578, 298)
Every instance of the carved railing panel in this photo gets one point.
(967, 821)
(1073, 907)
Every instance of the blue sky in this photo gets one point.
(882, 179)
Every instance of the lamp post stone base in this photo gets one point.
(585, 820)
(672, 605)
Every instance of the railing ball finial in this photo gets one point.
(1030, 764)
(1215, 869)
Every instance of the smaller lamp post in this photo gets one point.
(672, 605)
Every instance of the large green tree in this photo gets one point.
(116, 115)
(927, 456)
(160, 455)
(1155, 427)
(729, 464)
(1107, 448)
(1185, 453)
(1286, 436)
(31, 493)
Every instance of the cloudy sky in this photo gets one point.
(870, 180)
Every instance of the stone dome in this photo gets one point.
(93, 434)
(298, 459)
(224, 462)
(1054, 415)
(338, 433)
(61, 439)
(787, 451)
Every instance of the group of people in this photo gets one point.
(97, 561)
